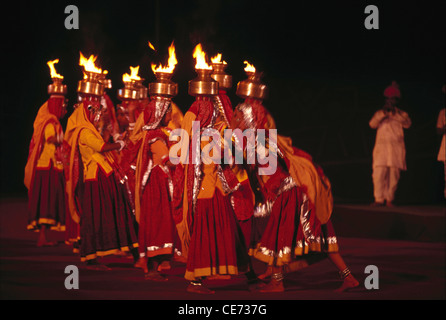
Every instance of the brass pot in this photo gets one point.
(91, 84)
(252, 87)
(107, 83)
(57, 87)
(224, 80)
(88, 87)
(163, 86)
(128, 93)
(143, 93)
(131, 90)
(203, 84)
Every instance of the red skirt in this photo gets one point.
(46, 203)
(157, 229)
(107, 223)
(292, 231)
(217, 245)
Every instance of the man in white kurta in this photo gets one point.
(389, 153)
(441, 127)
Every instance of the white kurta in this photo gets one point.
(440, 124)
(390, 150)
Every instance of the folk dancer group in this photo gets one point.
(111, 182)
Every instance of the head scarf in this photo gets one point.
(156, 110)
(78, 121)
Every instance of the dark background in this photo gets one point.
(325, 71)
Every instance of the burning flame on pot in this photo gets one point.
(200, 58)
(249, 67)
(54, 74)
(217, 59)
(132, 76)
(171, 63)
(89, 64)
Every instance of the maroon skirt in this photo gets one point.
(107, 222)
(217, 245)
(292, 231)
(46, 203)
(157, 229)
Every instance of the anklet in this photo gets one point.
(345, 273)
(277, 276)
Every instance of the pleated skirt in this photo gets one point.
(217, 245)
(107, 222)
(291, 232)
(46, 202)
(156, 226)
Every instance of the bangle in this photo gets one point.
(122, 143)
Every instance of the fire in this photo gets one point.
(132, 76)
(171, 63)
(217, 59)
(151, 46)
(249, 67)
(54, 74)
(88, 64)
(200, 58)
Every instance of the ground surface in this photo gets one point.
(408, 269)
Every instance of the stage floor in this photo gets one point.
(408, 269)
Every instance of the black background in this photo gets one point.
(325, 71)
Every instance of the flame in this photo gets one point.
(133, 76)
(151, 46)
(200, 58)
(54, 74)
(217, 59)
(249, 67)
(171, 63)
(88, 64)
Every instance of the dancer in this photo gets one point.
(296, 196)
(207, 225)
(133, 101)
(44, 176)
(97, 198)
(154, 188)
(242, 199)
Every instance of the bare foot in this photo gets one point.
(46, 244)
(349, 282)
(199, 288)
(142, 263)
(154, 276)
(267, 273)
(273, 286)
(165, 265)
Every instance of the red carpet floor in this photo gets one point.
(408, 269)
